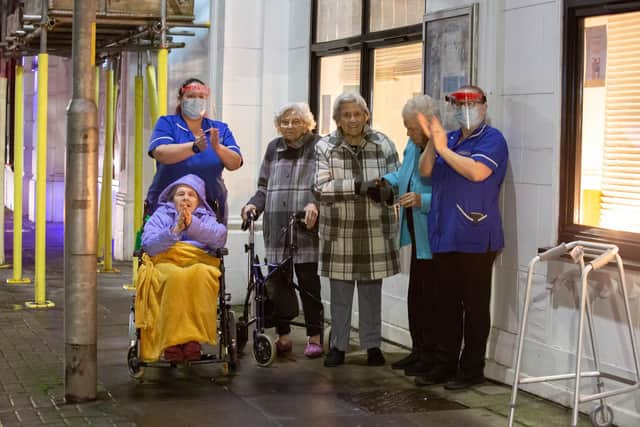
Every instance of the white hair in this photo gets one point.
(419, 104)
(302, 108)
(346, 97)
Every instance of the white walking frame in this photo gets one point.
(602, 415)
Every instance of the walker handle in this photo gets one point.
(604, 259)
(554, 252)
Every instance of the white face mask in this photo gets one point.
(468, 116)
(194, 108)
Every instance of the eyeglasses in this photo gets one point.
(285, 123)
(464, 104)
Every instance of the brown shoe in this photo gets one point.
(192, 351)
(173, 354)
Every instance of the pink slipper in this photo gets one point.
(313, 350)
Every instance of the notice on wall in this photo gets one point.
(595, 65)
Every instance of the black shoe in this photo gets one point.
(437, 375)
(462, 382)
(334, 358)
(419, 369)
(411, 358)
(375, 357)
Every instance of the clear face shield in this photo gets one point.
(464, 106)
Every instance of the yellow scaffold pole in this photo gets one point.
(107, 171)
(3, 143)
(138, 209)
(162, 81)
(40, 286)
(152, 93)
(18, 167)
(100, 248)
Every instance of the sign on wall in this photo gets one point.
(450, 52)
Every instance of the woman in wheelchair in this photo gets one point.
(178, 281)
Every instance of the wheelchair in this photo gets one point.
(263, 349)
(227, 351)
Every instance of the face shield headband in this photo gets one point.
(462, 97)
(465, 105)
(194, 87)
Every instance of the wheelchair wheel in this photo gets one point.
(133, 363)
(231, 340)
(133, 333)
(264, 350)
(242, 335)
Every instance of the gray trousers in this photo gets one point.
(369, 312)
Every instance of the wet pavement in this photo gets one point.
(293, 391)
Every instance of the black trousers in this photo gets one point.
(309, 281)
(421, 305)
(463, 283)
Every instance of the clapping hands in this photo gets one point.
(184, 220)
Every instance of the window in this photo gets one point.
(370, 46)
(600, 183)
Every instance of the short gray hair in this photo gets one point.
(419, 104)
(346, 97)
(302, 108)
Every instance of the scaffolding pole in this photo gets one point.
(138, 209)
(81, 188)
(40, 285)
(107, 170)
(18, 169)
(163, 61)
(3, 143)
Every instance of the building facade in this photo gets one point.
(260, 54)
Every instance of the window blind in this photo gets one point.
(620, 201)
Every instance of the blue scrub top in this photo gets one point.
(207, 165)
(465, 215)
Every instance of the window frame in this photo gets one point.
(575, 11)
(365, 43)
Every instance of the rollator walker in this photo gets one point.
(602, 415)
(264, 350)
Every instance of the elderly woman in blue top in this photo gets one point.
(189, 142)
(415, 201)
(285, 187)
(467, 168)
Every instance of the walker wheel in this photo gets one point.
(264, 350)
(600, 418)
(133, 363)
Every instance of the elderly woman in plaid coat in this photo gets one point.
(284, 187)
(357, 225)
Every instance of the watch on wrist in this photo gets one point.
(195, 147)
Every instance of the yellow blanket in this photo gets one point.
(176, 299)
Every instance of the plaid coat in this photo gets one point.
(358, 237)
(284, 187)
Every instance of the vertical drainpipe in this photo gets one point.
(18, 170)
(81, 196)
(40, 286)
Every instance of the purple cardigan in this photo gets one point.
(204, 232)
